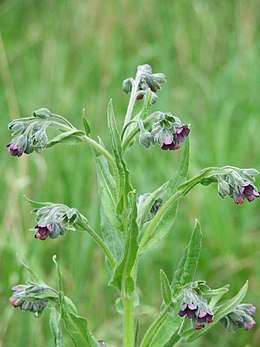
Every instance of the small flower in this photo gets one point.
(247, 191)
(240, 317)
(182, 132)
(14, 149)
(102, 344)
(53, 230)
(169, 144)
(43, 231)
(196, 309)
(54, 220)
(32, 297)
(238, 184)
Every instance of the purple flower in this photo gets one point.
(28, 298)
(199, 313)
(240, 317)
(169, 144)
(43, 231)
(15, 150)
(247, 191)
(182, 132)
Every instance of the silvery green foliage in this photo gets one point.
(131, 223)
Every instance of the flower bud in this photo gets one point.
(127, 85)
(42, 113)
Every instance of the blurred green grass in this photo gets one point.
(69, 55)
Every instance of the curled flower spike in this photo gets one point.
(196, 309)
(238, 184)
(145, 80)
(240, 317)
(54, 220)
(168, 132)
(32, 297)
(30, 133)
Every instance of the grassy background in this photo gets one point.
(67, 55)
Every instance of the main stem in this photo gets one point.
(128, 324)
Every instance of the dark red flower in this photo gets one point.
(169, 144)
(247, 191)
(182, 132)
(15, 150)
(43, 231)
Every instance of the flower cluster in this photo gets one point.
(54, 220)
(156, 205)
(168, 132)
(145, 80)
(196, 309)
(240, 317)
(32, 297)
(238, 184)
(29, 133)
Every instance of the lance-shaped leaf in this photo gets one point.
(69, 137)
(220, 312)
(123, 270)
(161, 331)
(188, 264)
(124, 186)
(85, 122)
(163, 220)
(76, 326)
(165, 288)
(55, 325)
(35, 277)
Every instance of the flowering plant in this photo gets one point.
(131, 224)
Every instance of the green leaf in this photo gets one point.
(144, 209)
(35, 277)
(55, 325)
(111, 225)
(123, 270)
(162, 222)
(86, 123)
(219, 313)
(37, 204)
(76, 326)
(70, 137)
(124, 187)
(161, 331)
(165, 288)
(188, 264)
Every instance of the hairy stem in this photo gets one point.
(98, 240)
(97, 147)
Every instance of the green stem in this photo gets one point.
(98, 240)
(128, 324)
(97, 147)
(63, 119)
(132, 101)
(150, 332)
(133, 133)
(183, 189)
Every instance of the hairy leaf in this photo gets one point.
(123, 270)
(188, 264)
(76, 326)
